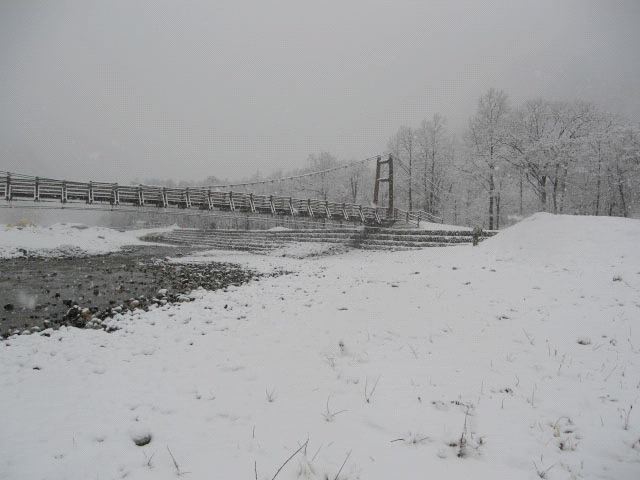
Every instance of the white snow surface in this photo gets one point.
(441, 226)
(279, 229)
(527, 347)
(308, 249)
(66, 238)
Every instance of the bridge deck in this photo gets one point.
(17, 187)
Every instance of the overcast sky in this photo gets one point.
(113, 90)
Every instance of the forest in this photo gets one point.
(513, 160)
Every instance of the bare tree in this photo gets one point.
(599, 145)
(433, 145)
(486, 137)
(625, 166)
(354, 182)
(403, 146)
(323, 185)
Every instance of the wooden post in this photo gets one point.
(209, 201)
(390, 182)
(477, 233)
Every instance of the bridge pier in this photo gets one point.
(388, 180)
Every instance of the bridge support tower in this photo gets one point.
(388, 180)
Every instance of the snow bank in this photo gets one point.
(65, 239)
(545, 238)
(449, 363)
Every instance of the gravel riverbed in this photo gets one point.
(39, 293)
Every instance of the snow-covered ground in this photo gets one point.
(441, 226)
(308, 249)
(65, 238)
(517, 359)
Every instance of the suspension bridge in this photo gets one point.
(326, 218)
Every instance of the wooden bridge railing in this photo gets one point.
(15, 187)
(415, 216)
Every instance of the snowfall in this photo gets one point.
(516, 359)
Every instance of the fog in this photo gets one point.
(117, 90)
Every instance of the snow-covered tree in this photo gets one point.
(486, 140)
(434, 145)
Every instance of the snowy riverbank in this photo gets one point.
(516, 359)
(66, 239)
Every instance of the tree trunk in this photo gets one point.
(543, 192)
(521, 190)
(597, 210)
(455, 211)
(612, 192)
(563, 186)
(498, 211)
(410, 179)
(623, 201)
(424, 181)
(410, 193)
(431, 192)
(491, 195)
(554, 192)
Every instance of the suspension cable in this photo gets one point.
(241, 184)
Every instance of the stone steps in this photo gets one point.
(334, 232)
(391, 244)
(365, 238)
(318, 237)
(221, 244)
